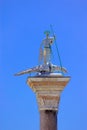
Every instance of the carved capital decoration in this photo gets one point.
(48, 90)
(48, 101)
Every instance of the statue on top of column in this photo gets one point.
(45, 48)
(47, 68)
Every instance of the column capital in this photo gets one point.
(48, 90)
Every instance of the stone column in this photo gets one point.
(48, 90)
(48, 120)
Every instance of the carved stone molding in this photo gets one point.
(47, 83)
(48, 101)
(48, 90)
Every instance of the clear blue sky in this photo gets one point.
(22, 23)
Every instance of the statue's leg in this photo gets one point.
(45, 56)
(48, 55)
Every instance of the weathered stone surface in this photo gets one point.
(48, 101)
(48, 90)
(48, 120)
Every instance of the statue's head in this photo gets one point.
(47, 33)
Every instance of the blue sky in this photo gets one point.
(22, 26)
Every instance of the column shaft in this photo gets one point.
(48, 120)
